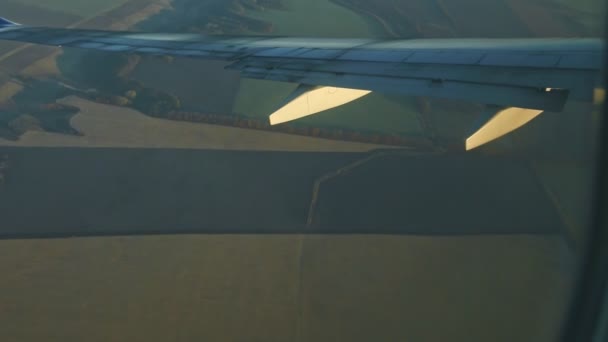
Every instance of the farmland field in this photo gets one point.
(75, 7)
(317, 18)
(201, 85)
(109, 126)
(32, 15)
(488, 252)
(283, 288)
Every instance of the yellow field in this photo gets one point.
(110, 126)
(282, 288)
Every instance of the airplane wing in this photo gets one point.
(516, 78)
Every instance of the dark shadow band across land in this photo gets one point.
(60, 192)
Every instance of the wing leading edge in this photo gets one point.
(516, 75)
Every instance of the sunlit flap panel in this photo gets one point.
(307, 100)
(496, 122)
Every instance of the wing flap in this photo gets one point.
(577, 82)
(494, 94)
(307, 100)
(497, 122)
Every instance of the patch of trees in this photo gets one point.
(317, 132)
(108, 74)
(145, 99)
(52, 117)
(24, 123)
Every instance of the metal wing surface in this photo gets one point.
(534, 74)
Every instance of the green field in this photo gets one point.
(586, 6)
(315, 18)
(588, 13)
(254, 288)
(81, 8)
(569, 185)
(374, 112)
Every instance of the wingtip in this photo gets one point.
(6, 23)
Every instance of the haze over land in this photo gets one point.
(484, 244)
